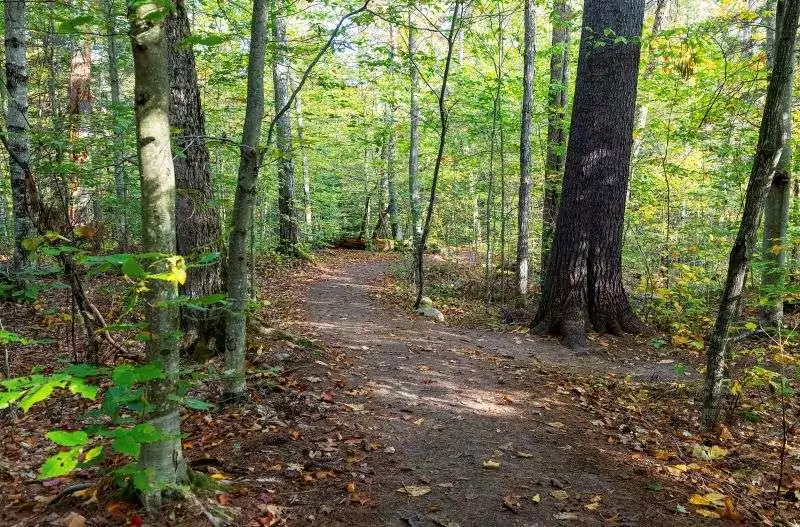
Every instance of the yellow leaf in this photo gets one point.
(662, 454)
(490, 463)
(536, 498)
(707, 513)
(414, 490)
(560, 495)
(524, 454)
(697, 499)
(717, 452)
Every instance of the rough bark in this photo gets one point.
(524, 195)
(287, 216)
(776, 211)
(242, 214)
(771, 140)
(583, 282)
(197, 220)
(413, 152)
(79, 106)
(18, 142)
(151, 95)
(556, 132)
(391, 147)
(120, 183)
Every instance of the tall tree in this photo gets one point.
(583, 282)
(298, 108)
(17, 142)
(776, 211)
(287, 216)
(556, 131)
(413, 151)
(391, 140)
(452, 35)
(242, 214)
(524, 196)
(164, 457)
(198, 222)
(771, 140)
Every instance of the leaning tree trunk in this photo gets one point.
(242, 214)
(287, 216)
(17, 141)
(413, 152)
(556, 133)
(164, 458)
(776, 211)
(584, 274)
(524, 205)
(771, 140)
(197, 219)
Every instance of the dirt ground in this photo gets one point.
(384, 418)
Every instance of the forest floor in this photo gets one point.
(362, 413)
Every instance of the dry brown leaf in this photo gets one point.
(414, 490)
(560, 495)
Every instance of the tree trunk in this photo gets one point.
(164, 458)
(17, 142)
(242, 214)
(584, 274)
(79, 106)
(413, 153)
(556, 132)
(197, 219)
(771, 140)
(287, 217)
(776, 212)
(443, 122)
(120, 183)
(524, 196)
(391, 143)
(298, 107)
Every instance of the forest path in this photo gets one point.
(441, 401)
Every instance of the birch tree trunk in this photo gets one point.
(556, 130)
(524, 196)
(242, 214)
(164, 458)
(17, 142)
(391, 142)
(298, 108)
(287, 217)
(197, 220)
(771, 140)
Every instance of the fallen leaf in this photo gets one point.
(294, 434)
(490, 463)
(355, 407)
(536, 498)
(414, 490)
(560, 495)
(556, 424)
(327, 397)
(75, 520)
(351, 486)
(524, 454)
(511, 503)
(223, 499)
(565, 516)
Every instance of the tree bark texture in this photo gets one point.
(524, 195)
(157, 177)
(771, 140)
(583, 282)
(242, 214)
(198, 224)
(287, 216)
(413, 151)
(556, 131)
(18, 142)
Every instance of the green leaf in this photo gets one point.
(6, 398)
(72, 25)
(95, 454)
(64, 438)
(147, 433)
(83, 370)
(132, 269)
(124, 443)
(197, 404)
(60, 464)
(38, 394)
(87, 391)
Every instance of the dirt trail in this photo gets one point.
(442, 401)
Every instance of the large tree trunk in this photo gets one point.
(391, 143)
(164, 458)
(79, 106)
(120, 183)
(242, 214)
(776, 211)
(197, 220)
(413, 152)
(556, 132)
(287, 216)
(17, 142)
(583, 282)
(524, 197)
(771, 140)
